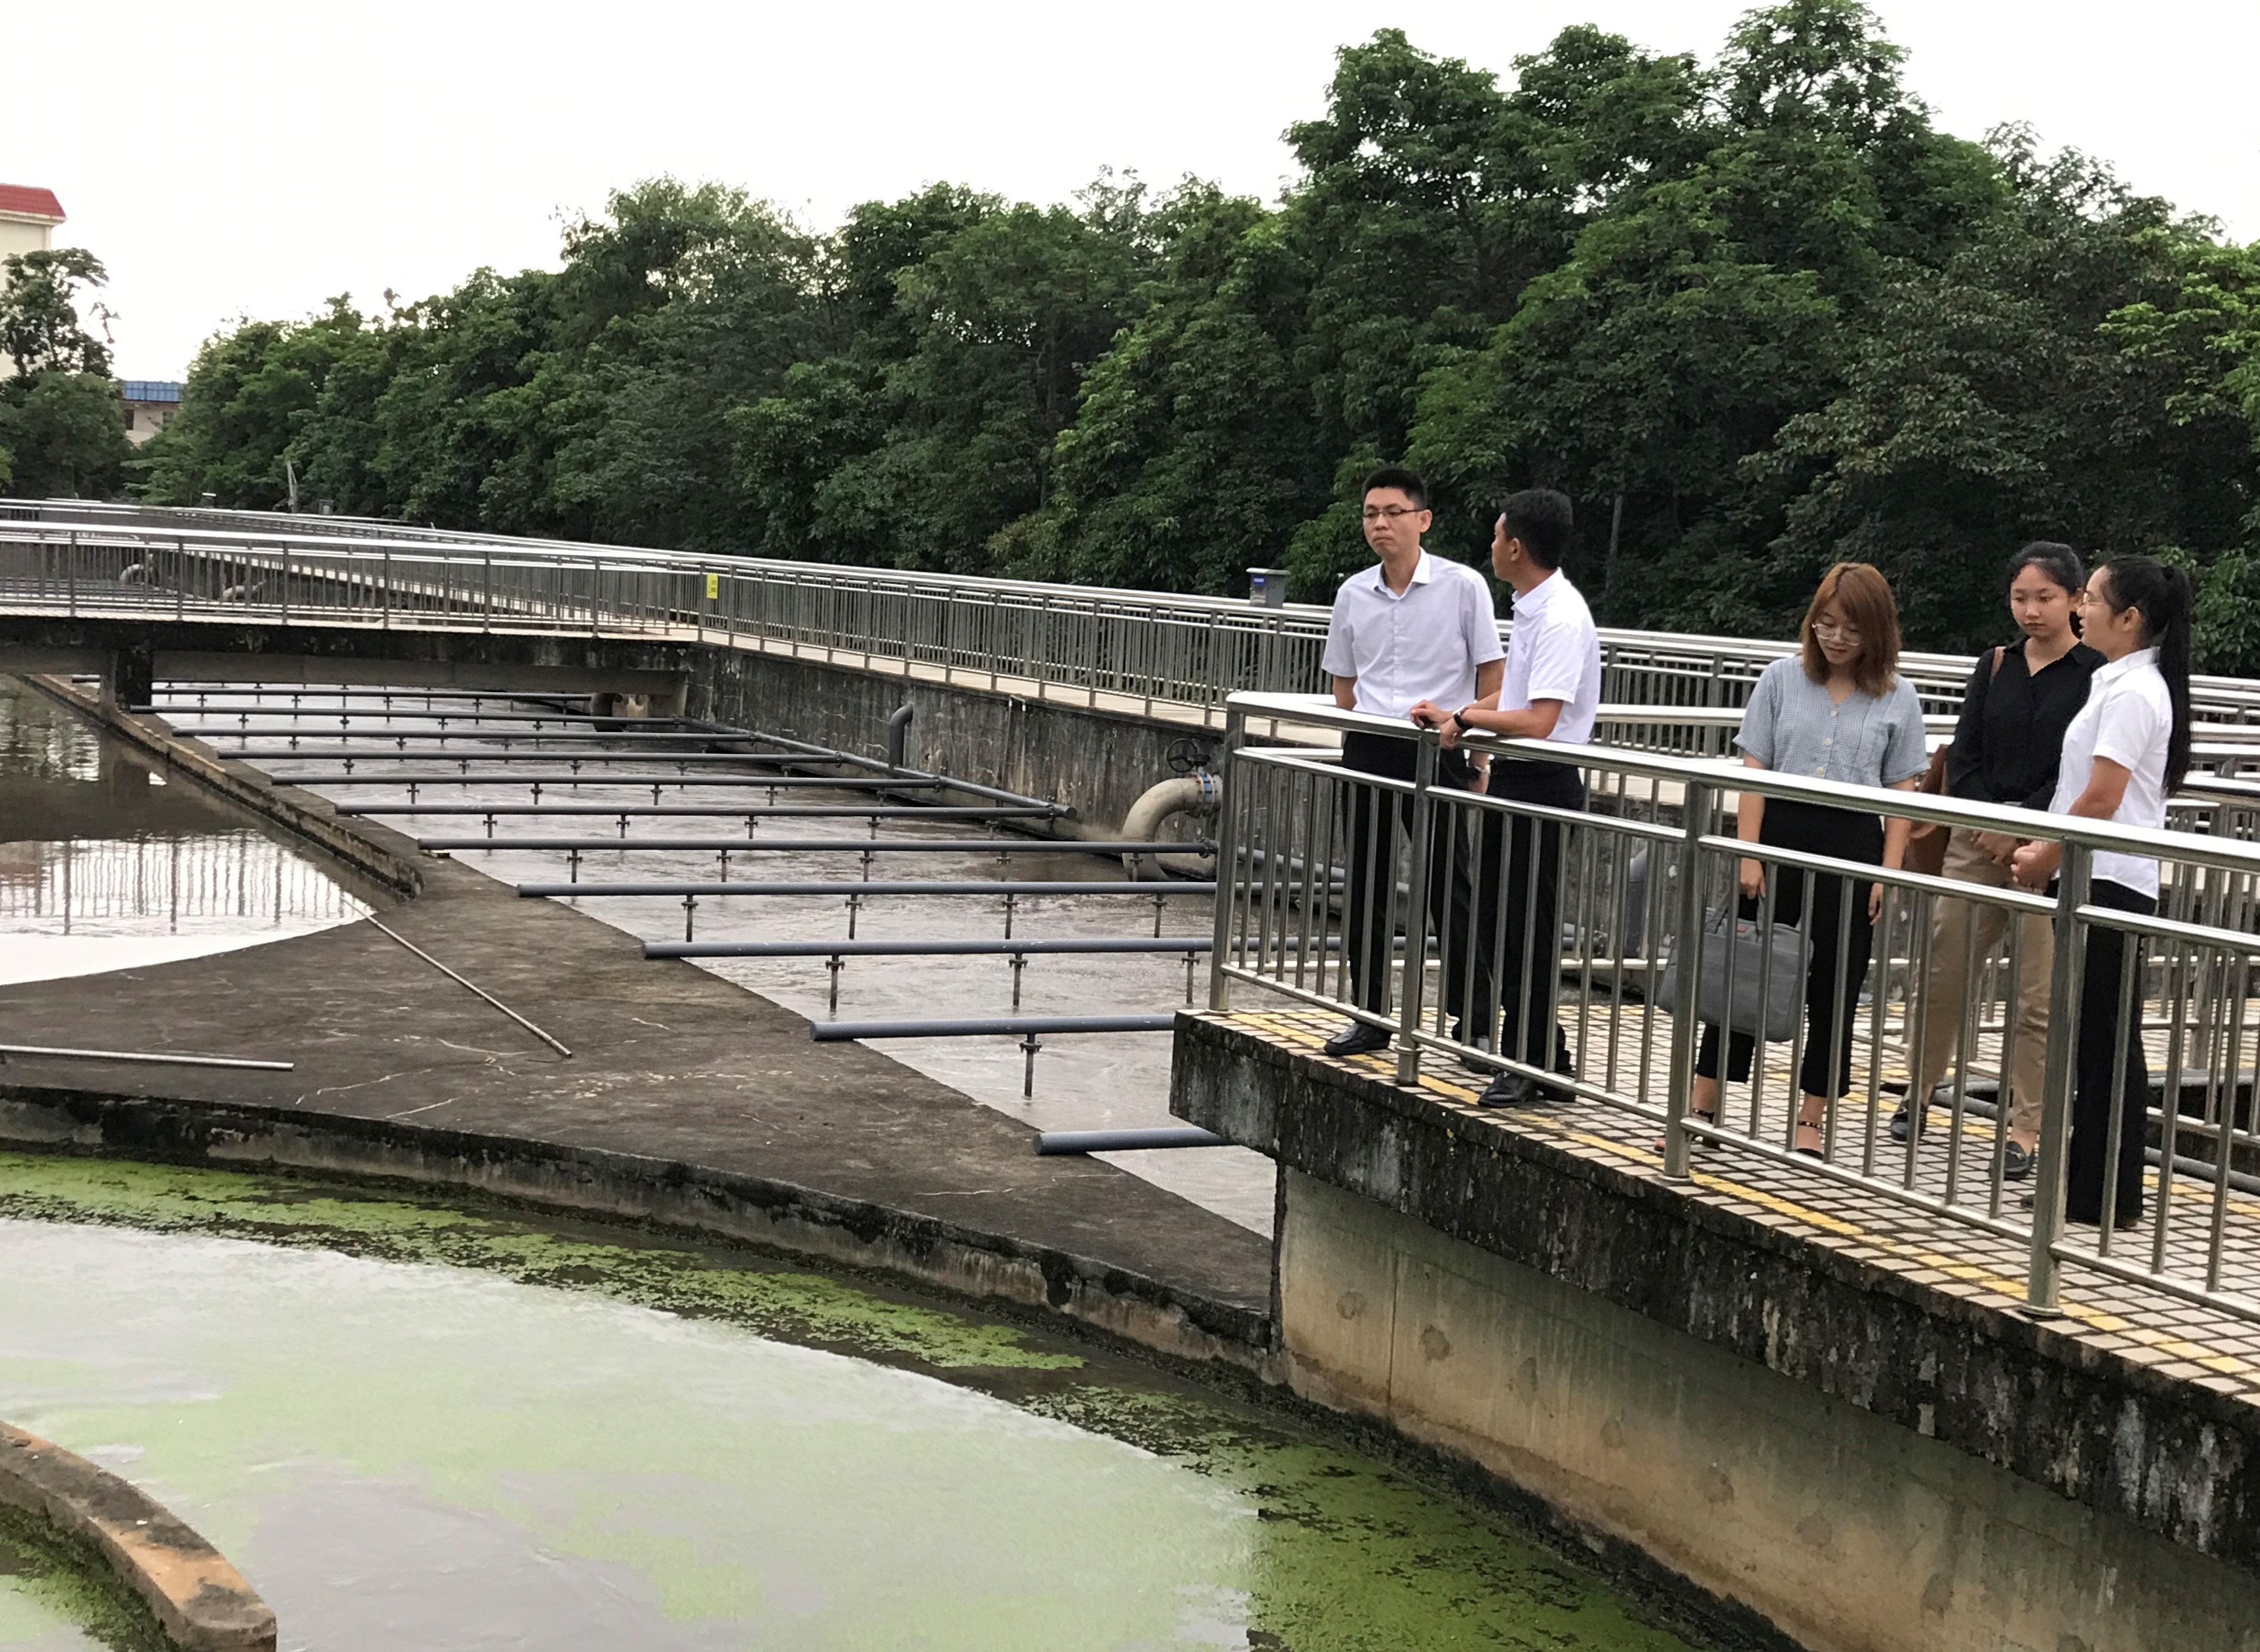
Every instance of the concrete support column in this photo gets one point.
(131, 679)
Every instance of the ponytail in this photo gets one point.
(2163, 595)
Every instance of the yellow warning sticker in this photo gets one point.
(713, 586)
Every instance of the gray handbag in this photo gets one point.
(1736, 966)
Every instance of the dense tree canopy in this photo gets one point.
(1754, 314)
(62, 421)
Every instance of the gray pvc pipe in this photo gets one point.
(1053, 1143)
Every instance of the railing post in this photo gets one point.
(286, 584)
(1686, 949)
(486, 595)
(1413, 990)
(2060, 1075)
(71, 572)
(384, 592)
(1230, 853)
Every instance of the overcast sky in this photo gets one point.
(230, 159)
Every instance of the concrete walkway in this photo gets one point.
(670, 1063)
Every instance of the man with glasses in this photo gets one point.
(1413, 627)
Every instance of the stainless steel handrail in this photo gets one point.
(1086, 642)
(1638, 872)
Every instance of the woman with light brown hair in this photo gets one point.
(1836, 710)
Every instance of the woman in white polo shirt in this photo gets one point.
(2128, 747)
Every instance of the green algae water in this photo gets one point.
(417, 1425)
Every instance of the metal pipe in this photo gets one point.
(751, 783)
(234, 690)
(143, 1058)
(1014, 1027)
(481, 991)
(966, 887)
(1053, 1143)
(899, 735)
(1003, 847)
(786, 743)
(1172, 944)
(494, 736)
(735, 812)
(242, 725)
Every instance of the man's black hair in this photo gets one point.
(1541, 519)
(1405, 482)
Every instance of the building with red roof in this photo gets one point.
(28, 217)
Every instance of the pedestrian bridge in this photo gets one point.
(239, 582)
(1870, 1399)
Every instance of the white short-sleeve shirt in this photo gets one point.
(1423, 645)
(2129, 719)
(1554, 652)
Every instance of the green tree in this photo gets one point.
(39, 326)
(2199, 342)
(1987, 403)
(934, 431)
(1698, 314)
(64, 434)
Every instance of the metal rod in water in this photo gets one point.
(481, 991)
(735, 812)
(1172, 945)
(751, 783)
(1053, 1143)
(1141, 891)
(1003, 847)
(921, 948)
(374, 753)
(689, 738)
(143, 1057)
(1013, 1027)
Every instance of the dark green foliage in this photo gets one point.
(62, 423)
(1756, 316)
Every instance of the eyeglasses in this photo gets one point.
(1388, 512)
(1828, 633)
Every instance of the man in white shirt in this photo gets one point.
(1414, 628)
(1551, 691)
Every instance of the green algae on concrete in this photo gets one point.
(57, 1596)
(392, 1226)
(599, 1474)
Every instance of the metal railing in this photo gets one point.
(1091, 643)
(1605, 907)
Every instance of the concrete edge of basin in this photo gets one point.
(302, 812)
(2177, 1458)
(201, 1603)
(806, 1222)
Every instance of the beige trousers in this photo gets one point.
(1947, 990)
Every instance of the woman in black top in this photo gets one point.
(2020, 698)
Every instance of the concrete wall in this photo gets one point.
(1848, 1532)
(1096, 761)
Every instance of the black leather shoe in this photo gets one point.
(1512, 1090)
(2016, 1163)
(1358, 1039)
(1480, 1041)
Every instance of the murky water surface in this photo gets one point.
(103, 865)
(418, 1426)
